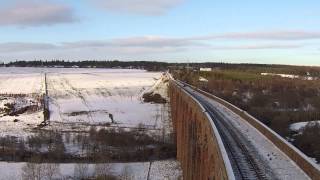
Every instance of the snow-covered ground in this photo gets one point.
(23, 127)
(81, 97)
(20, 83)
(96, 95)
(111, 97)
(202, 79)
(297, 127)
(20, 90)
(31, 70)
(159, 170)
(291, 76)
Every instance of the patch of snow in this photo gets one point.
(165, 170)
(247, 96)
(300, 125)
(206, 69)
(291, 76)
(202, 79)
(160, 87)
(23, 127)
(169, 169)
(20, 83)
(19, 125)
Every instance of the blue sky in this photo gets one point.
(247, 31)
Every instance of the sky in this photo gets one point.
(246, 31)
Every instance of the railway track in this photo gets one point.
(244, 164)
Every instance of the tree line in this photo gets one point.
(163, 66)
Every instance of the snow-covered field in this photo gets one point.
(21, 89)
(20, 83)
(81, 97)
(78, 100)
(159, 170)
(94, 97)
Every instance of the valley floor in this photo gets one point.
(85, 105)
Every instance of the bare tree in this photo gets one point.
(81, 171)
(32, 171)
(127, 173)
(51, 171)
(102, 170)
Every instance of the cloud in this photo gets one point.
(35, 13)
(144, 46)
(24, 47)
(158, 42)
(259, 46)
(135, 45)
(139, 7)
(143, 41)
(268, 35)
(139, 48)
(163, 47)
(132, 45)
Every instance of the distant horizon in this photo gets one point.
(159, 61)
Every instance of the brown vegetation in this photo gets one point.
(154, 97)
(309, 140)
(101, 146)
(275, 101)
